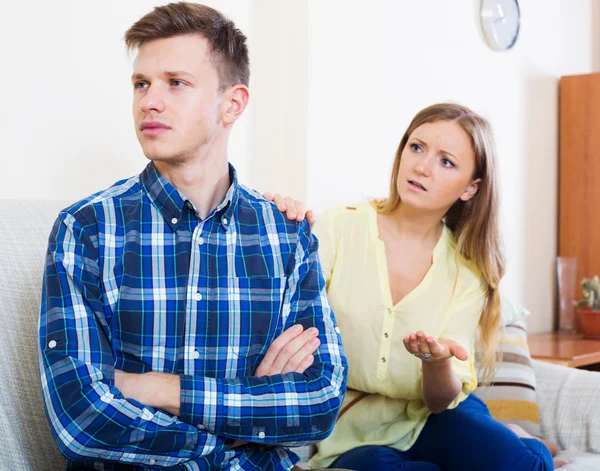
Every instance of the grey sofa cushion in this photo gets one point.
(25, 439)
(569, 407)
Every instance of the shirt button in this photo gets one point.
(386, 335)
(52, 344)
(337, 329)
(201, 427)
(174, 221)
(152, 461)
(224, 221)
(261, 435)
(200, 240)
(383, 360)
(198, 297)
(196, 355)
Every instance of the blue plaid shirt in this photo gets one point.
(136, 281)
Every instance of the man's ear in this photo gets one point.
(235, 100)
(471, 190)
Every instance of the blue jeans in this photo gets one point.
(466, 438)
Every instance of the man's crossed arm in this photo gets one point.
(291, 352)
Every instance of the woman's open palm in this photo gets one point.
(430, 349)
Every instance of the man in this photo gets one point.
(184, 320)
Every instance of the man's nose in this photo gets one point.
(153, 100)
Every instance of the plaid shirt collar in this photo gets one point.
(172, 203)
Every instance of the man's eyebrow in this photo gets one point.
(168, 73)
(178, 73)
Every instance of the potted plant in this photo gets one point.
(588, 309)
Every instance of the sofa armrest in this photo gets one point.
(569, 401)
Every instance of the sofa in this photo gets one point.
(568, 399)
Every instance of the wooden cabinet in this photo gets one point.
(565, 349)
(579, 173)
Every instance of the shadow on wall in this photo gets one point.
(595, 17)
(541, 133)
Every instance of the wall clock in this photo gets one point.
(500, 21)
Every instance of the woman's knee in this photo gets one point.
(380, 458)
(368, 458)
(520, 455)
(536, 457)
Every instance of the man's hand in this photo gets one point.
(291, 351)
(294, 209)
(431, 350)
(158, 390)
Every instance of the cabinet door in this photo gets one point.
(579, 173)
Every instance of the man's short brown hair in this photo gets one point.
(227, 44)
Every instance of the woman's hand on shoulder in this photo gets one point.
(294, 209)
(432, 350)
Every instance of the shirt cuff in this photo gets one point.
(201, 404)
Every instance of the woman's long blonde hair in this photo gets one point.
(474, 223)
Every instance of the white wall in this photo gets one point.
(373, 65)
(328, 106)
(66, 126)
(279, 94)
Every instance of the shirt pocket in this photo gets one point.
(254, 314)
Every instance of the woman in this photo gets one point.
(413, 279)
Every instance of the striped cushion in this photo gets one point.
(511, 398)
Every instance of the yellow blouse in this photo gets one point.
(446, 304)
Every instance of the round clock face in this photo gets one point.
(500, 20)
